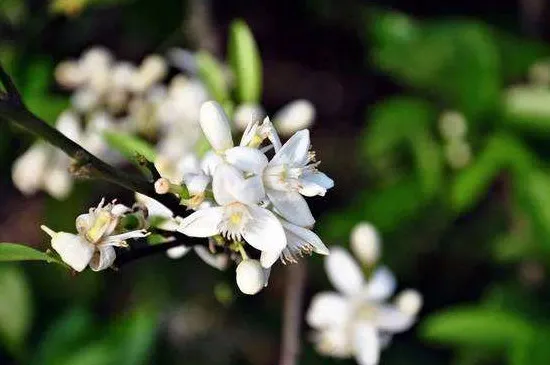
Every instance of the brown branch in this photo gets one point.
(292, 313)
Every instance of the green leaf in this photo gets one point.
(454, 61)
(429, 162)
(130, 146)
(501, 152)
(212, 74)
(532, 349)
(527, 108)
(15, 308)
(392, 122)
(476, 327)
(17, 252)
(246, 62)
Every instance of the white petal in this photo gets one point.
(230, 186)
(154, 207)
(343, 272)
(58, 182)
(245, 114)
(265, 233)
(202, 223)
(365, 243)
(210, 162)
(391, 319)
(196, 183)
(335, 342)
(218, 261)
(294, 151)
(409, 301)
(268, 258)
(215, 126)
(250, 277)
(301, 236)
(291, 206)
(328, 309)
(28, 170)
(69, 124)
(315, 184)
(381, 285)
(177, 252)
(103, 259)
(246, 159)
(366, 344)
(73, 249)
(294, 116)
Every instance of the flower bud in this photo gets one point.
(28, 170)
(458, 154)
(365, 243)
(452, 125)
(151, 71)
(250, 276)
(162, 186)
(69, 75)
(295, 116)
(177, 252)
(122, 75)
(409, 301)
(246, 113)
(215, 126)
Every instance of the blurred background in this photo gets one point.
(432, 117)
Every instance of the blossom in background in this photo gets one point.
(98, 234)
(296, 115)
(357, 320)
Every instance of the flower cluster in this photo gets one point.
(357, 321)
(99, 231)
(108, 95)
(241, 197)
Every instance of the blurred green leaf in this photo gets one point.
(135, 337)
(15, 308)
(533, 191)
(456, 61)
(532, 350)
(129, 146)
(476, 327)
(429, 162)
(211, 72)
(14, 11)
(71, 331)
(393, 122)
(246, 62)
(528, 108)
(17, 252)
(501, 152)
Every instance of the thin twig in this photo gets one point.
(292, 315)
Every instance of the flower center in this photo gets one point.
(235, 218)
(100, 224)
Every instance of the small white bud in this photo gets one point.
(215, 126)
(177, 252)
(250, 276)
(452, 125)
(96, 57)
(365, 243)
(162, 186)
(295, 116)
(28, 170)
(458, 154)
(58, 182)
(152, 70)
(246, 113)
(122, 75)
(69, 75)
(409, 301)
(84, 100)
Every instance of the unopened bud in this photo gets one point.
(365, 243)
(409, 301)
(69, 75)
(152, 70)
(250, 276)
(452, 125)
(162, 186)
(458, 154)
(295, 116)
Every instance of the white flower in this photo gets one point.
(152, 70)
(93, 245)
(300, 241)
(292, 173)
(256, 132)
(168, 222)
(250, 276)
(365, 243)
(409, 301)
(294, 116)
(44, 167)
(356, 321)
(238, 215)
